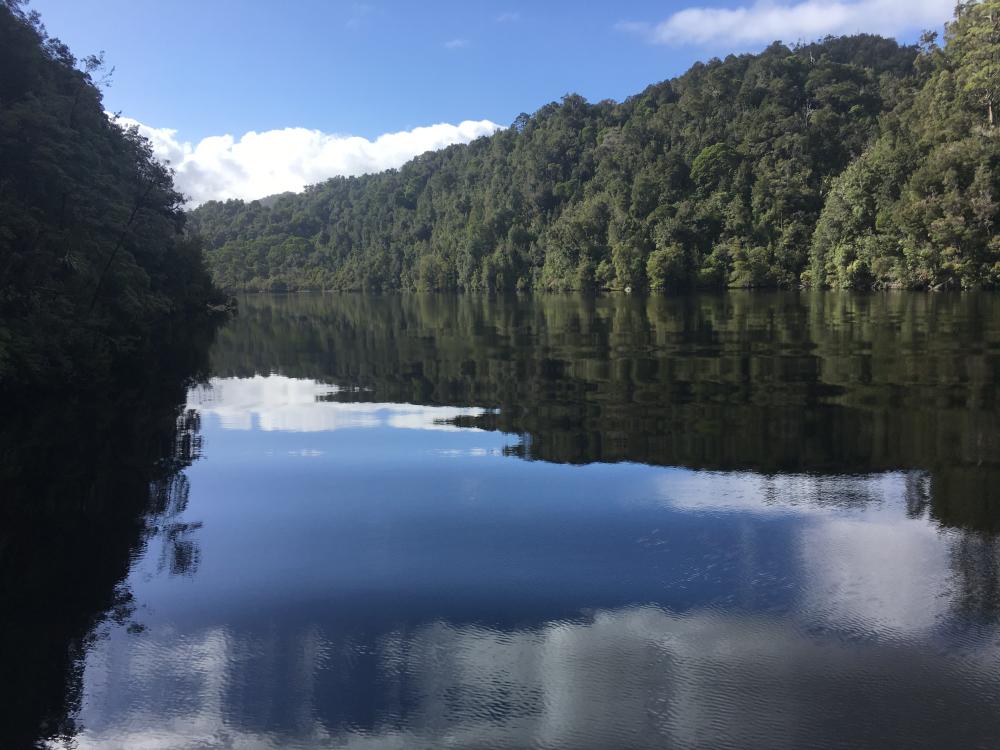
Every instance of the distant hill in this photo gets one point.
(851, 162)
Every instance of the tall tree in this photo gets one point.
(93, 257)
(975, 39)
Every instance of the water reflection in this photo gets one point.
(631, 677)
(86, 480)
(277, 403)
(769, 382)
(743, 521)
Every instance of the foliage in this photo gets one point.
(714, 178)
(93, 257)
(921, 206)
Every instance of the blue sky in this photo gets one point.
(216, 67)
(194, 70)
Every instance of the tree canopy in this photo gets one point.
(920, 207)
(93, 257)
(853, 162)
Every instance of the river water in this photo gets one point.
(754, 520)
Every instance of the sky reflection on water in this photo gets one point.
(350, 570)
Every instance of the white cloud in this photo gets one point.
(765, 21)
(275, 161)
(508, 17)
(456, 44)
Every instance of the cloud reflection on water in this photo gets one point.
(640, 676)
(278, 403)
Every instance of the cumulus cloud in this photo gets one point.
(767, 20)
(275, 161)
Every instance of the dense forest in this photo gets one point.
(94, 264)
(851, 162)
(106, 311)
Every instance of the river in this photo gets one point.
(752, 520)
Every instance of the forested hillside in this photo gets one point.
(921, 206)
(851, 162)
(94, 263)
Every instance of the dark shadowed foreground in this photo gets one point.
(751, 520)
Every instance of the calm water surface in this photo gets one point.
(753, 520)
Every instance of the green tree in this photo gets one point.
(975, 41)
(94, 258)
(852, 161)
